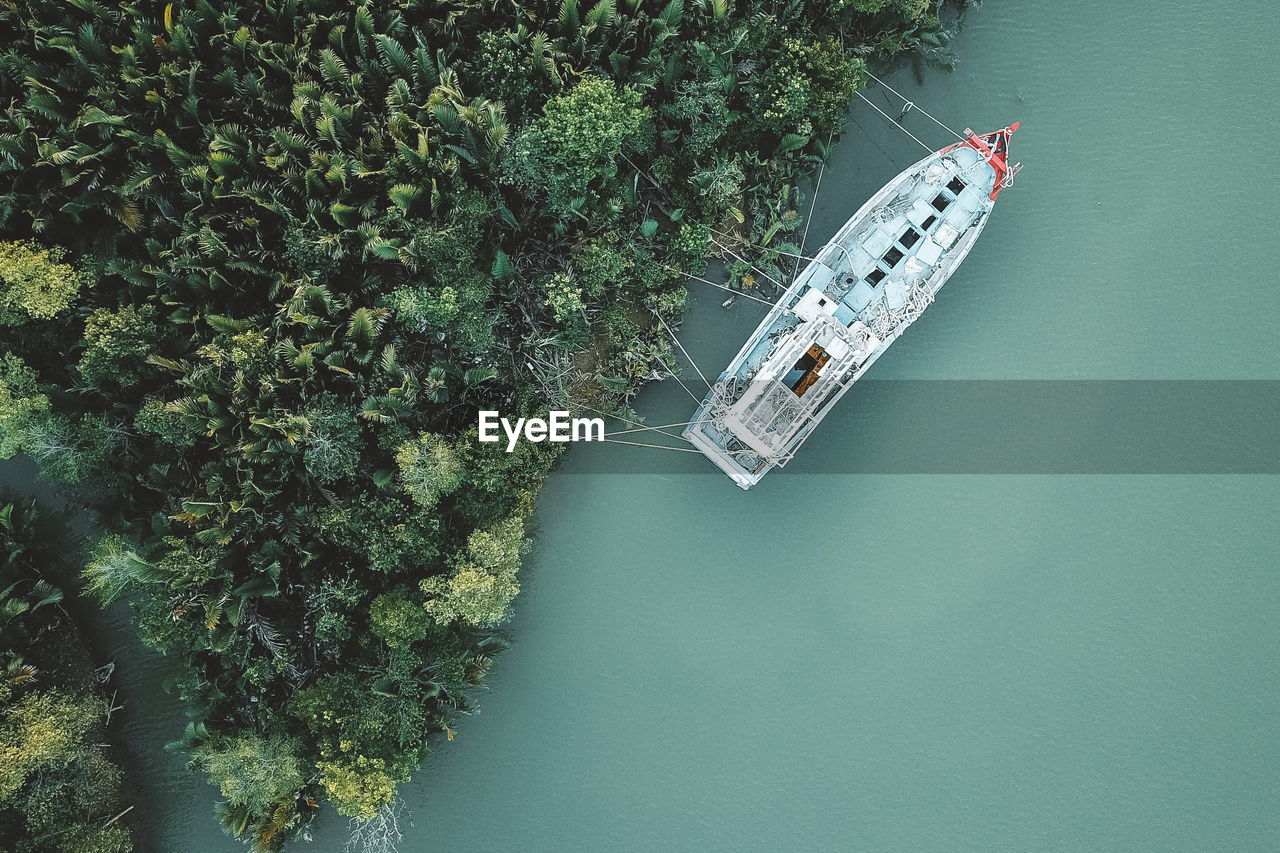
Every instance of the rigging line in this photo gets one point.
(721, 286)
(748, 263)
(692, 396)
(765, 248)
(813, 203)
(654, 446)
(891, 119)
(676, 341)
(629, 421)
(912, 104)
(659, 428)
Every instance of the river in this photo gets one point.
(907, 658)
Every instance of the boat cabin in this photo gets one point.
(805, 368)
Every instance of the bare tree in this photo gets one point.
(379, 834)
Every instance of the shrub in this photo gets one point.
(34, 283)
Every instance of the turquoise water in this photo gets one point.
(920, 662)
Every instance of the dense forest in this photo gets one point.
(262, 262)
(60, 789)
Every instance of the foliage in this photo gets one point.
(358, 787)
(483, 583)
(430, 467)
(116, 344)
(321, 236)
(22, 406)
(58, 787)
(397, 621)
(578, 140)
(87, 838)
(601, 262)
(253, 771)
(332, 439)
(38, 730)
(34, 283)
(158, 419)
(564, 298)
(113, 566)
(805, 90)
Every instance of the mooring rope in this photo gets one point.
(692, 396)
(765, 248)
(910, 104)
(721, 286)
(813, 203)
(629, 421)
(748, 263)
(676, 341)
(658, 428)
(891, 119)
(654, 446)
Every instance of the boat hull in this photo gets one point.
(858, 295)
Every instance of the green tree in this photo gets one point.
(602, 263)
(397, 621)
(579, 139)
(116, 344)
(333, 441)
(253, 771)
(40, 729)
(114, 566)
(22, 406)
(484, 582)
(565, 299)
(34, 283)
(87, 838)
(429, 468)
(156, 417)
(357, 786)
(805, 90)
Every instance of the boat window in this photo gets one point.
(909, 237)
(809, 359)
(940, 202)
(892, 256)
(875, 277)
(929, 220)
(956, 185)
(804, 373)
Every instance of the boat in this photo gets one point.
(856, 296)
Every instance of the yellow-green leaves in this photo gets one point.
(484, 582)
(39, 729)
(20, 403)
(34, 283)
(357, 786)
(429, 467)
(403, 195)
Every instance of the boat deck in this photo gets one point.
(862, 289)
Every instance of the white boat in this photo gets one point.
(856, 296)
